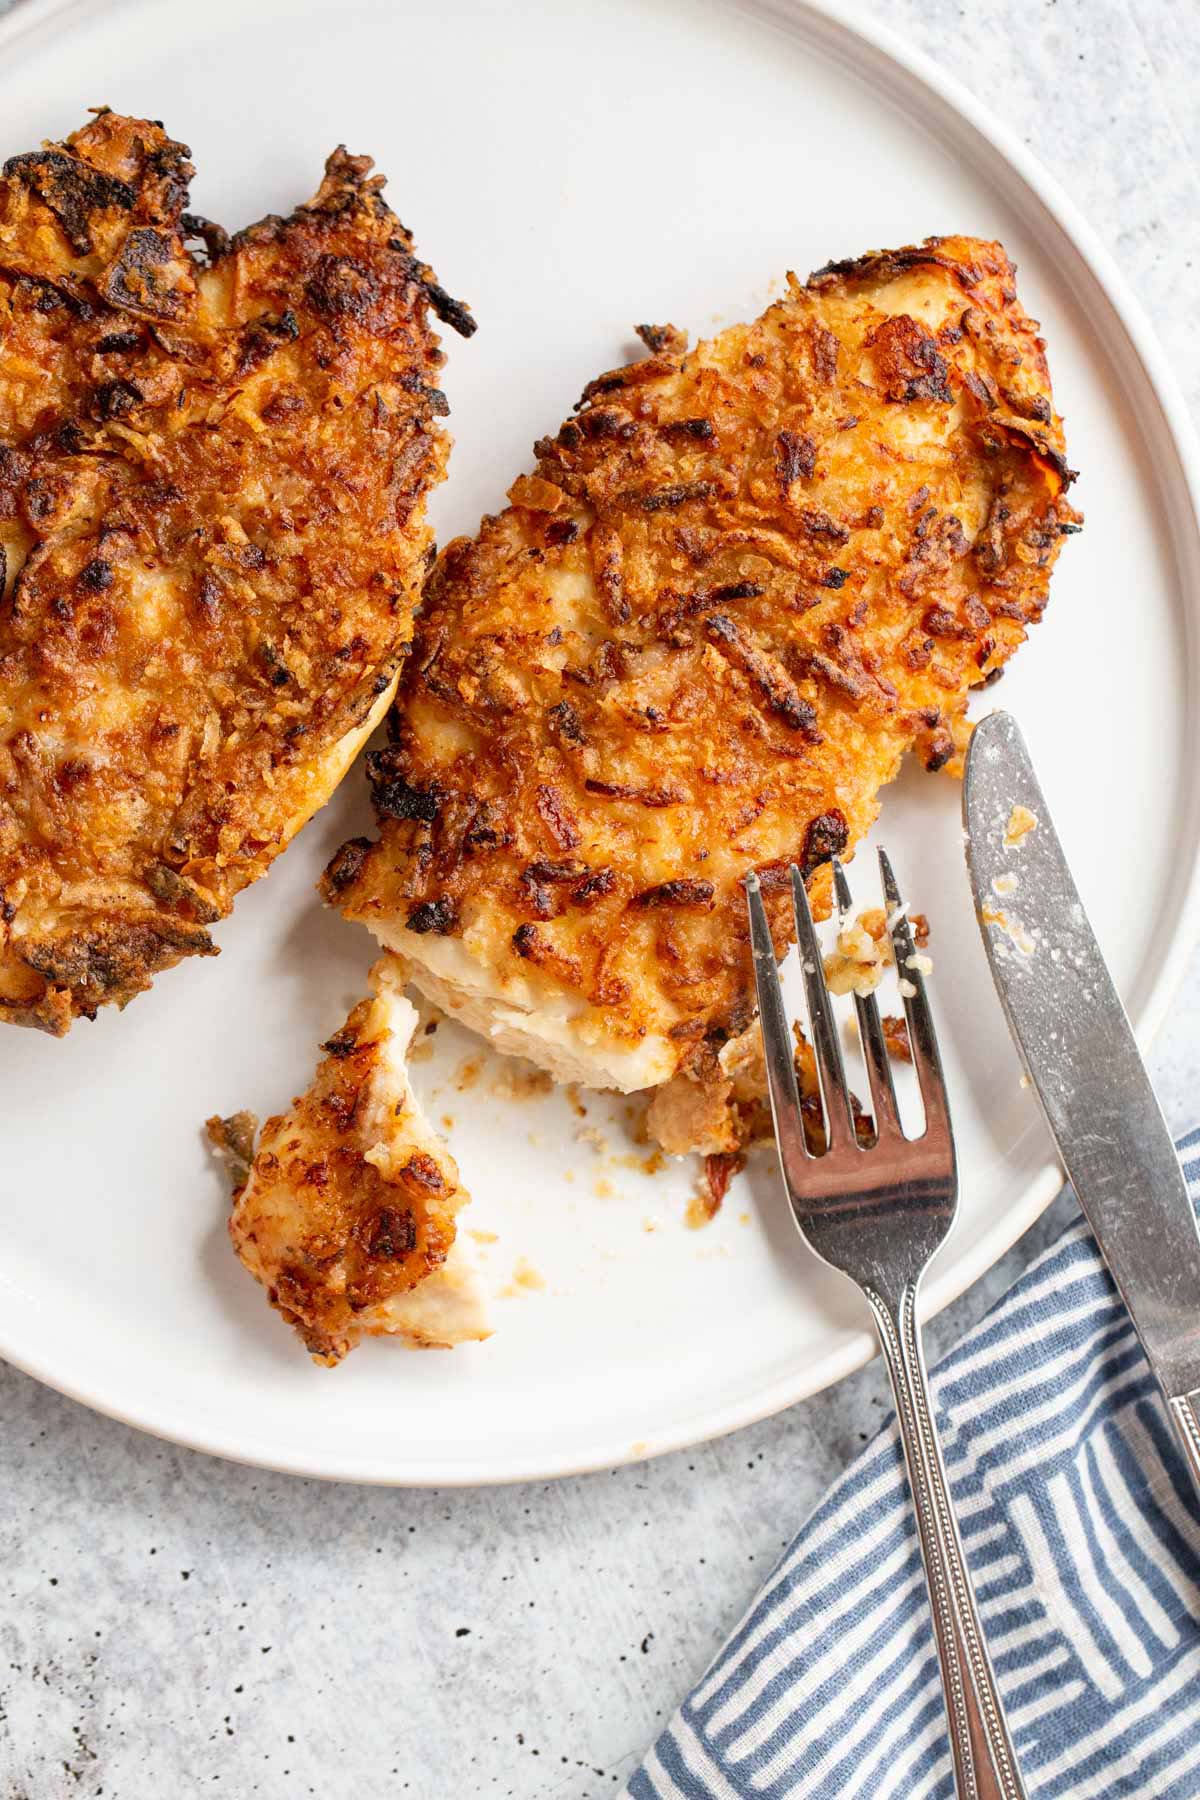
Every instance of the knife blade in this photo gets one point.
(1083, 1061)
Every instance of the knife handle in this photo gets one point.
(1185, 1416)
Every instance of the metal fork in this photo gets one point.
(878, 1212)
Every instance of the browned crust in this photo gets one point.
(330, 1234)
(213, 469)
(743, 581)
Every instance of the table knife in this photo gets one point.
(1081, 1057)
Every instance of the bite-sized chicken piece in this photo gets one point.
(347, 1214)
(743, 581)
(213, 473)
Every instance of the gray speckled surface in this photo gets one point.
(173, 1624)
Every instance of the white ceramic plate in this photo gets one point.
(571, 170)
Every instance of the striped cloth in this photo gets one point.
(1083, 1534)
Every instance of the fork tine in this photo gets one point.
(921, 1036)
(778, 1048)
(879, 1069)
(839, 1122)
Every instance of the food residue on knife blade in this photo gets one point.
(1020, 823)
(1011, 926)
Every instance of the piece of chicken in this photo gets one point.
(744, 580)
(347, 1215)
(213, 472)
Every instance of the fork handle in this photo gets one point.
(985, 1761)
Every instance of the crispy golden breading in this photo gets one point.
(743, 581)
(347, 1214)
(212, 482)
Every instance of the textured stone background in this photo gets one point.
(171, 1624)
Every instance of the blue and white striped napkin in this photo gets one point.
(1083, 1534)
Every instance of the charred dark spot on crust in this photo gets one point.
(620, 790)
(940, 622)
(439, 916)
(392, 1235)
(112, 959)
(422, 1172)
(435, 399)
(700, 430)
(835, 577)
(937, 750)
(526, 941)
(610, 383)
(113, 399)
(795, 458)
(181, 894)
(261, 337)
(346, 865)
(119, 342)
(1028, 406)
(565, 724)
(214, 237)
(150, 275)
(976, 385)
(881, 265)
(663, 338)
(562, 531)
(773, 877)
(69, 437)
(827, 835)
(908, 362)
(683, 892)
(94, 577)
(281, 406)
(593, 887)
(487, 830)
(393, 796)
(72, 190)
(678, 494)
(817, 524)
(341, 287)
(603, 423)
(770, 682)
(277, 671)
(455, 313)
(545, 873)
(343, 1043)
(544, 868)
(736, 590)
(1008, 431)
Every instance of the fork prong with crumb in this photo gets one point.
(877, 1209)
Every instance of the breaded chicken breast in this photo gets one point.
(347, 1215)
(213, 473)
(743, 581)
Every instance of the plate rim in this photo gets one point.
(839, 29)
